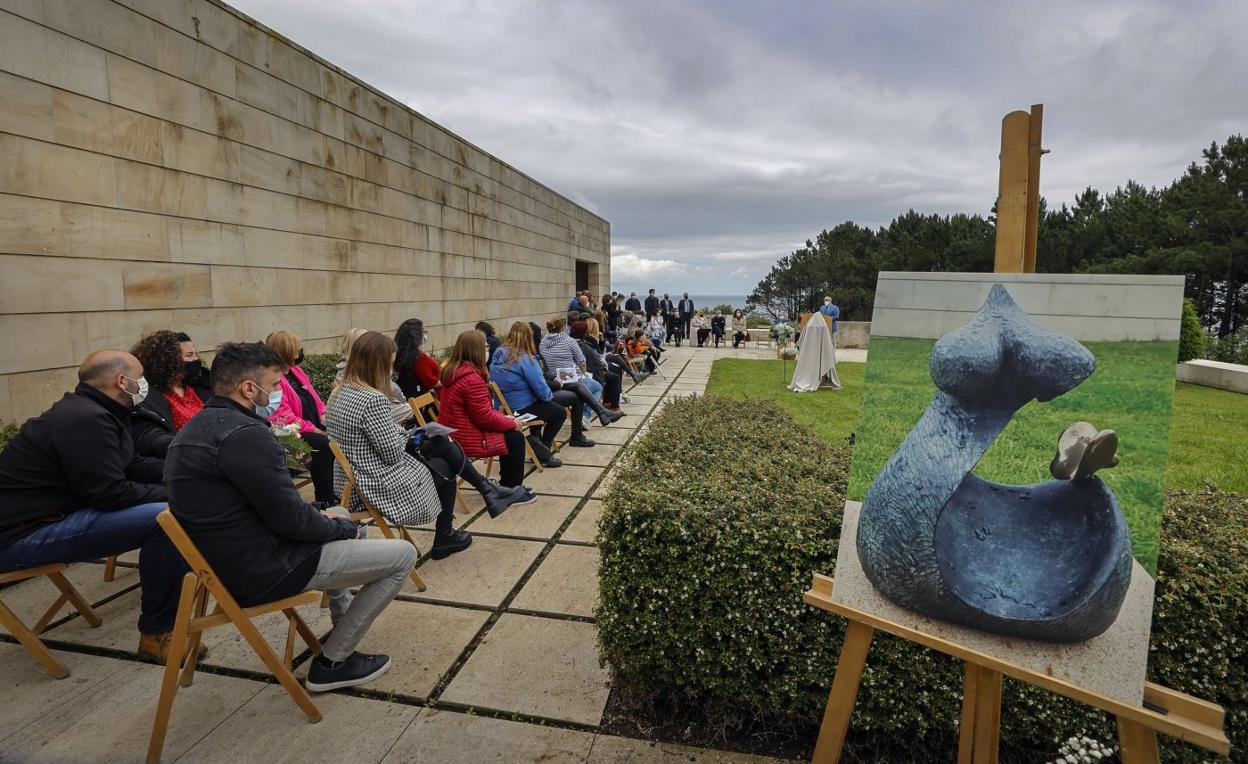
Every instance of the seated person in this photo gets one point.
(740, 328)
(595, 364)
(559, 351)
(408, 486)
(196, 375)
(586, 390)
(655, 330)
(229, 488)
(400, 412)
(701, 327)
(172, 400)
(72, 488)
(300, 404)
(717, 327)
(416, 371)
(514, 368)
(640, 345)
(467, 406)
(491, 339)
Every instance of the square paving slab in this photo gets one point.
(272, 729)
(540, 666)
(31, 598)
(598, 456)
(30, 693)
(567, 480)
(612, 436)
(439, 736)
(565, 583)
(538, 520)
(113, 721)
(482, 574)
(423, 640)
(584, 526)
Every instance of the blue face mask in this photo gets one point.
(273, 400)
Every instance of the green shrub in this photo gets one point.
(7, 433)
(705, 558)
(1233, 348)
(321, 369)
(1191, 334)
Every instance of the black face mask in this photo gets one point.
(191, 370)
(299, 358)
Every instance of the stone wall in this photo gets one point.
(174, 164)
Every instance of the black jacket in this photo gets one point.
(152, 425)
(593, 361)
(632, 304)
(652, 304)
(230, 489)
(685, 306)
(492, 343)
(79, 453)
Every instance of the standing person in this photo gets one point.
(229, 489)
(632, 303)
(418, 372)
(671, 320)
(466, 405)
(740, 327)
(832, 312)
(72, 488)
(399, 410)
(299, 403)
(652, 303)
(685, 310)
(613, 311)
(173, 400)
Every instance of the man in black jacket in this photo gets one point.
(685, 309)
(229, 488)
(632, 303)
(652, 304)
(72, 488)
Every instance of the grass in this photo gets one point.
(1206, 436)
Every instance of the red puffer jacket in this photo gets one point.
(465, 404)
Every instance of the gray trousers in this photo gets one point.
(379, 567)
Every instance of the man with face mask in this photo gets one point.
(229, 488)
(72, 488)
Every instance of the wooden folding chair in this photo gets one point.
(191, 622)
(28, 636)
(425, 409)
(529, 425)
(370, 512)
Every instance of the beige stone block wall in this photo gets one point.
(174, 164)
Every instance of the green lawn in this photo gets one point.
(1208, 428)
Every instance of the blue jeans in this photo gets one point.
(90, 534)
(593, 386)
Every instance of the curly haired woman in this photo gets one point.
(171, 402)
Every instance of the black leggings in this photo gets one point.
(446, 459)
(611, 386)
(586, 397)
(553, 414)
(511, 464)
(321, 466)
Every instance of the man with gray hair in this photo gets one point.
(72, 488)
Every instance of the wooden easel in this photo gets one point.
(1174, 713)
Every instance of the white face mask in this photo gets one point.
(271, 402)
(827, 302)
(141, 395)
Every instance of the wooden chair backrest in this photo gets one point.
(349, 486)
(424, 408)
(502, 399)
(198, 564)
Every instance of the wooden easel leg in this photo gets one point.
(1138, 743)
(980, 733)
(843, 694)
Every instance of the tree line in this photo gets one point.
(1197, 226)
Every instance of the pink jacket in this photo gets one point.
(291, 408)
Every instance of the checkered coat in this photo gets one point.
(397, 484)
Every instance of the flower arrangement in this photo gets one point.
(298, 452)
(781, 331)
(789, 352)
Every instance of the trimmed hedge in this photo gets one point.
(321, 369)
(705, 558)
(7, 433)
(1192, 338)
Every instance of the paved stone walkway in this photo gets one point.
(497, 661)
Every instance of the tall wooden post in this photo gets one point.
(1018, 193)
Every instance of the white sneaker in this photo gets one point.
(624, 398)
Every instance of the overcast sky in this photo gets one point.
(718, 135)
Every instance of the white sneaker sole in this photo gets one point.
(327, 686)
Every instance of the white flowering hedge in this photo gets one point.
(724, 509)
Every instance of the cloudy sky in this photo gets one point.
(718, 135)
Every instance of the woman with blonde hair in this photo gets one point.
(399, 410)
(408, 484)
(466, 405)
(514, 368)
(300, 405)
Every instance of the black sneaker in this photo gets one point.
(529, 496)
(445, 546)
(325, 675)
(610, 416)
(580, 441)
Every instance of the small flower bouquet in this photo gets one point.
(781, 331)
(788, 352)
(298, 452)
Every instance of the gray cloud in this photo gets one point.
(718, 135)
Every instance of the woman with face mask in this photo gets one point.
(197, 374)
(171, 400)
(296, 402)
(417, 371)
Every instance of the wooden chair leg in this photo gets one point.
(305, 632)
(416, 579)
(533, 455)
(42, 624)
(288, 655)
(28, 640)
(844, 693)
(489, 465)
(169, 685)
(274, 664)
(192, 649)
(71, 593)
(110, 567)
(459, 499)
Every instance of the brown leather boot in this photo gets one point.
(154, 648)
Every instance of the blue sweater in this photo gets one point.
(832, 312)
(522, 382)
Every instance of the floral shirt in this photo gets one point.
(183, 407)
